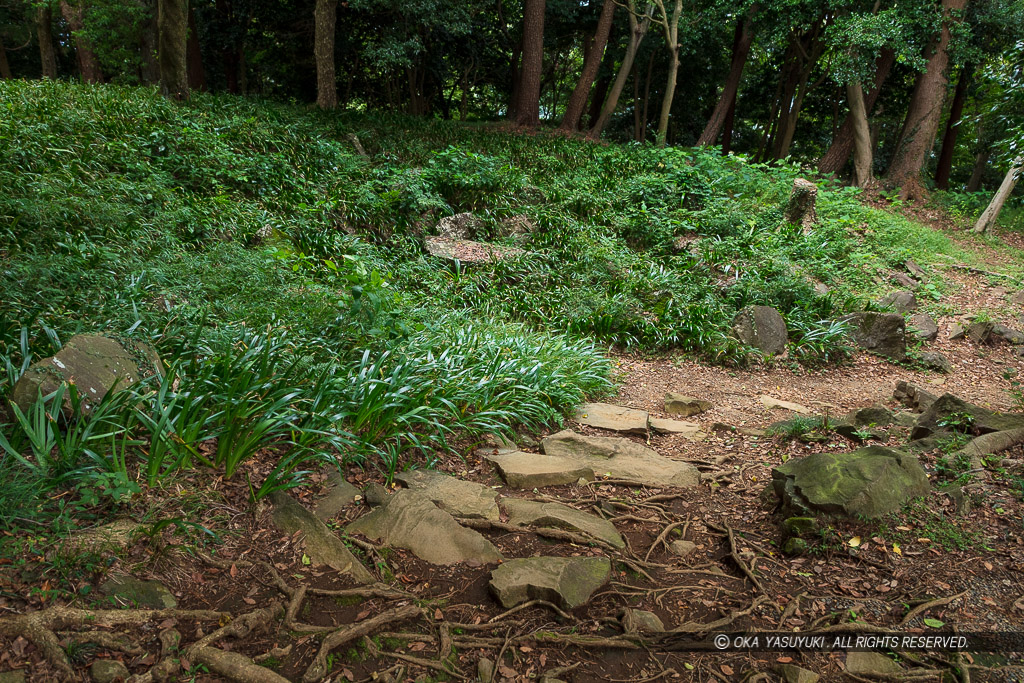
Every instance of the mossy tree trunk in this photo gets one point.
(44, 33)
(172, 19)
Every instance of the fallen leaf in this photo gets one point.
(439, 615)
(854, 542)
(233, 571)
(727, 670)
(784, 660)
(896, 549)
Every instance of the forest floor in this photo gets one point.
(938, 559)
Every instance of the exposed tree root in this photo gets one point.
(105, 639)
(533, 603)
(924, 607)
(234, 666)
(557, 534)
(736, 557)
(317, 670)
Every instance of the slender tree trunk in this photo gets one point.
(727, 101)
(923, 114)
(637, 31)
(5, 68)
(528, 101)
(173, 22)
(636, 103)
(862, 150)
(149, 70)
(956, 110)
(44, 32)
(980, 164)
(671, 29)
(88, 65)
(842, 142)
(989, 216)
(647, 97)
(591, 63)
(730, 118)
(808, 57)
(196, 73)
(600, 89)
(325, 15)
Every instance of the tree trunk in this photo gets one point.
(637, 31)
(591, 63)
(528, 100)
(727, 101)
(196, 73)
(671, 29)
(797, 89)
(149, 70)
(88, 65)
(842, 142)
(862, 150)
(5, 68)
(172, 19)
(600, 90)
(980, 164)
(923, 114)
(44, 32)
(325, 15)
(730, 118)
(956, 110)
(647, 98)
(989, 216)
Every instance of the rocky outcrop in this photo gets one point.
(881, 333)
(320, 543)
(557, 516)
(763, 328)
(949, 413)
(458, 497)
(461, 226)
(522, 470)
(620, 458)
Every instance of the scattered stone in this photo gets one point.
(904, 418)
(614, 418)
(688, 430)
(957, 332)
(882, 333)
(902, 302)
(558, 516)
(871, 664)
(857, 434)
(321, 545)
(936, 361)
(955, 413)
(799, 527)
(904, 280)
(913, 396)
(875, 415)
(682, 548)
(13, 676)
(1017, 298)
(565, 581)
(485, 670)
(620, 458)
(1010, 336)
(980, 333)
(459, 497)
(821, 289)
(113, 536)
(994, 333)
(641, 621)
(915, 270)
(750, 431)
(136, 592)
(801, 209)
(461, 226)
(685, 406)
(763, 328)
(795, 546)
(108, 671)
(868, 482)
(924, 327)
(94, 364)
(522, 470)
(339, 494)
(468, 251)
(410, 520)
(514, 226)
(770, 402)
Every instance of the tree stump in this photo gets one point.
(801, 209)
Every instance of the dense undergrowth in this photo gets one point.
(282, 277)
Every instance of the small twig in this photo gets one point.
(664, 534)
(532, 603)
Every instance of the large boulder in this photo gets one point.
(869, 482)
(94, 364)
(949, 413)
(882, 333)
(761, 327)
(565, 581)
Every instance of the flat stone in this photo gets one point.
(468, 251)
(136, 592)
(871, 664)
(485, 670)
(685, 406)
(522, 470)
(915, 269)
(763, 328)
(558, 516)
(791, 673)
(924, 327)
(881, 333)
(902, 302)
(565, 581)
(614, 418)
(688, 430)
(620, 458)
(108, 671)
(641, 621)
(338, 495)
(682, 548)
(904, 280)
(770, 402)
(320, 543)
(458, 497)
(409, 520)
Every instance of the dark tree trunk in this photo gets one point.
(923, 114)
(647, 98)
(591, 63)
(809, 49)
(196, 73)
(325, 17)
(88, 65)
(980, 164)
(600, 89)
(862, 149)
(528, 99)
(842, 142)
(149, 71)
(742, 39)
(956, 110)
(44, 32)
(5, 68)
(730, 118)
(173, 22)
(638, 29)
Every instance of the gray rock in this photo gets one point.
(1017, 298)
(869, 482)
(374, 494)
(338, 494)
(957, 332)
(518, 225)
(904, 280)
(791, 673)
(685, 406)
(613, 418)
(924, 327)
(994, 333)
(522, 470)
(558, 516)
(871, 664)
(460, 498)
(882, 333)
(689, 243)
(936, 361)
(321, 545)
(948, 409)
(468, 251)
(682, 548)
(132, 591)
(461, 226)
(94, 363)
(1008, 335)
(565, 581)
(913, 396)
(620, 458)
(485, 670)
(800, 527)
(902, 302)
(875, 415)
(801, 209)
(688, 430)
(772, 402)
(641, 621)
(915, 270)
(108, 671)
(410, 520)
(763, 328)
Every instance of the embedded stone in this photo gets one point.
(902, 302)
(613, 418)
(881, 333)
(555, 515)
(565, 581)
(137, 592)
(685, 406)
(936, 361)
(108, 671)
(620, 458)
(321, 545)
(522, 470)
(459, 497)
(871, 664)
(682, 548)
(338, 494)
(763, 328)
(641, 621)
(924, 327)
(769, 402)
